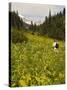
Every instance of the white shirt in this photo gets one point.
(54, 44)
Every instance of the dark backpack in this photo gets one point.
(57, 45)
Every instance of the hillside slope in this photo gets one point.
(35, 63)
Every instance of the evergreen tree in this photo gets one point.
(46, 19)
(64, 11)
(16, 21)
(34, 27)
(49, 16)
(31, 26)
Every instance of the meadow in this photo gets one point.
(35, 63)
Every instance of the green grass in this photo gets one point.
(35, 62)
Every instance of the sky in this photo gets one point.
(35, 12)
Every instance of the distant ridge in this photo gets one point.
(28, 21)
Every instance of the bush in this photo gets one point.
(17, 36)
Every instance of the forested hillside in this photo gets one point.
(53, 26)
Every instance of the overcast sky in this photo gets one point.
(35, 12)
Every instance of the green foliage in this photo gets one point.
(35, 62)
(53, 26)
(17, 36)
(16, 21)
(64, 11)
(56, 27)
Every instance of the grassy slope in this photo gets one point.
(36, 63)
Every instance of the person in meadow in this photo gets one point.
(55, 45)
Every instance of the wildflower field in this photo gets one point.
(35, 63)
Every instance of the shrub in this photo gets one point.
(17, 36)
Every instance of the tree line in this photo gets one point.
(53, 26)
(15, 20)
(16, 28)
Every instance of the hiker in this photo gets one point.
(55, 45)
